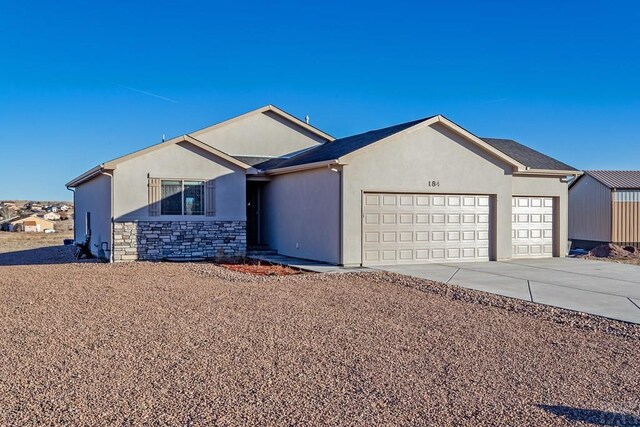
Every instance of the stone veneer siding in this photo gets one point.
(155, 240)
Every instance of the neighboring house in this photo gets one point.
(31, 223)
(5, 224)
(51, 216)
(604, 207)
(64, 208)
(423, 191)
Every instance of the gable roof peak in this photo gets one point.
(276, 110)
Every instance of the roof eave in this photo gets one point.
(183, 138)
(547, 172)
(90, 174)
(306, 166)
(112, 164)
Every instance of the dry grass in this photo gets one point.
(11, 242)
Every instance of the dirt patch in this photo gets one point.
(615, 253)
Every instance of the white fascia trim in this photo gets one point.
(547, 172)
(297, 168)
(91, 173)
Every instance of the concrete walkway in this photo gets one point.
(597, 287)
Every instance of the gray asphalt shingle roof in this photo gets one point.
(527, 156)
(252, 160)
(340, 147)
(335, 149)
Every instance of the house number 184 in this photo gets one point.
(434, 183)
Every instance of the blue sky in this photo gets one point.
(562, 77)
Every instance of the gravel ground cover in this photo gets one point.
(199, 344)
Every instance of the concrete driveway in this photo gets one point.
(597, 287)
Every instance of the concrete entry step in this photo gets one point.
(260, 251)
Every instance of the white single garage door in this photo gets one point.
(532, 227)
(420, 228)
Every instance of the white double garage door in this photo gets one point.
(418, 228)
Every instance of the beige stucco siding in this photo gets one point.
(408, 162)
(264, 134)
(548, 187)
(94, 196)
(178, 161)
(301, 214)
(590, 210)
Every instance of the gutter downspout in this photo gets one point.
(110, 175)
(341, 219)
(339, 170)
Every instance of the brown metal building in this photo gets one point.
(604, 207)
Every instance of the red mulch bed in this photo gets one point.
(258, 268)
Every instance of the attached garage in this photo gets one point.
(532, 227)
(415, 228)
(428, 191)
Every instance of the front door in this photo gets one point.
(253, 213)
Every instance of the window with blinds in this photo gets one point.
(181, 197)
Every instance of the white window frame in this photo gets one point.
(182, 181)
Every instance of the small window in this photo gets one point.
(180, 197)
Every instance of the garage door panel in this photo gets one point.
(437, 201)
(468, 253)
(418, 228)
(422, 218)
(422, 254)
(371, 218)
(422, 236)
(438, 218)
(532, 227)
(406, 218)
(406, 201)
(371, 237)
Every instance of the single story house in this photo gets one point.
(31, 224)
(604, 207)
(423, 191)
(51, 216)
